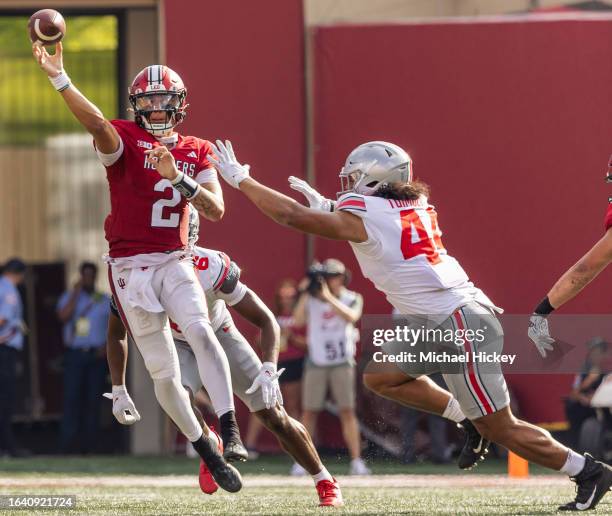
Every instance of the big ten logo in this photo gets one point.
(200, 262)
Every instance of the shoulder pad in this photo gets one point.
(231, 279)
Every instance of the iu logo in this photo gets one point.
(121, 283)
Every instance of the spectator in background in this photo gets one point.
(12, 329)
(291, 357)
(330, 312)
(578, 404)
(84, 313)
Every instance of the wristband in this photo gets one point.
(186, 186)
(544, 308)
(61, 82)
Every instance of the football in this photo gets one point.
(46, 26)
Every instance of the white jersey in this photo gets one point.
(331, 339)
(404, 256)
(219, 277)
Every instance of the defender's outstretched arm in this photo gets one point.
(288, 212)
(283, 209)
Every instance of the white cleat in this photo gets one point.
(358, 467)
(297, 470)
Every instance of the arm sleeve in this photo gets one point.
(208, 175)
(352, 203)
(230, 289)
(235, 296)
(123, 127)
(230, 280)
(110, 159)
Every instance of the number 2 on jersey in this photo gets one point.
(157, 214)
(428, 241)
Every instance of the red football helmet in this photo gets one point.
(158, 88)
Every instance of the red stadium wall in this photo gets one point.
(242, 63)
(510, 122)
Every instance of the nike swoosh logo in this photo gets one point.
(477, 450)
(587, 505)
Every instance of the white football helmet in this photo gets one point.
(194, 226)
(372, 165)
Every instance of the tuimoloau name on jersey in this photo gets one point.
(185, 167)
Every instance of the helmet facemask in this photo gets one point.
(362, 183)
(169, 102)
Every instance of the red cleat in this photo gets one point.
(329, 493)
(207, 482)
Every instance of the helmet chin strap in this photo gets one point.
(169, 140)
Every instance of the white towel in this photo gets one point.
(142, 267)
(139, 290)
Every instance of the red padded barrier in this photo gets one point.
(510, 123)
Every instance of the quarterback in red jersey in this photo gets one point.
(153, 172)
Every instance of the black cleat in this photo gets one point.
(592, 483)
(475, 447)
(226, 475)
(234, 450)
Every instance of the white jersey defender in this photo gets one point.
(405, 259)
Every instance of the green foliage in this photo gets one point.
(33, 110)
(82, 33)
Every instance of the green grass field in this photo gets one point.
(107, 485)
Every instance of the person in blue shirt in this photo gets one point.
(12, 329)
(84, 313)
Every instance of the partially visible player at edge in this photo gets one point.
(153, 172)
(572, 281)
(386, 217)
(256, 384)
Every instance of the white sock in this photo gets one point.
(573, 464)
(174, 400)
(322, 475)
(453, 411)
(212, 366)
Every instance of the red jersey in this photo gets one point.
(148, 215)
(608, 221)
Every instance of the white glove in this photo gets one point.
(124, 409)
(314, 198)
(267, 379)
(539, 334)
(227, 165)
